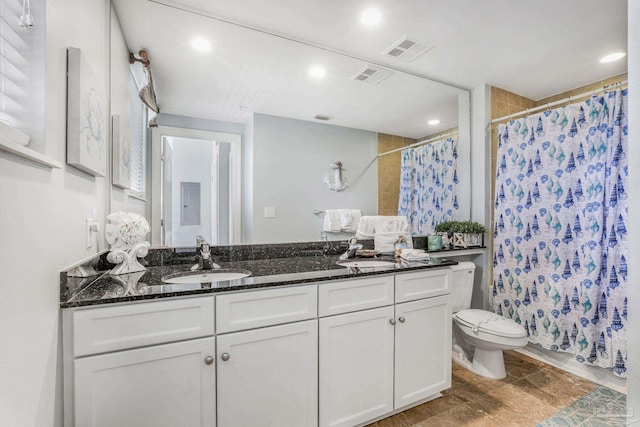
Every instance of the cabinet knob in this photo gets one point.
(392, 321)
(401, 319)
(225, 356)
(208, 360)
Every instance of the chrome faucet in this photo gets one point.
(205, 260)
(351, 251)
(324, 238)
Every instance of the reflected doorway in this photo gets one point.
(196, 187)
(195, 191)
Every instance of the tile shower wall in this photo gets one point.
(389, 172)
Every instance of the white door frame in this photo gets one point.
(235, 180)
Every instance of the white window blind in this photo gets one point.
(137, 136)
(19, 67)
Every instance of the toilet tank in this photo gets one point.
(463, 274)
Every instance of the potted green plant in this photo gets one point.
(468, 233)
(446, 229)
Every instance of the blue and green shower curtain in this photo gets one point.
(429, 185)
(560, 258)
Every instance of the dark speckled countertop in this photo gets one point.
(270, 265)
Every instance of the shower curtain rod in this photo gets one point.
(561, 101)
(417, 144)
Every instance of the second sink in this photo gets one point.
(206, 276)
(365, 264)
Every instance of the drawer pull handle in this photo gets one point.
(225, 356)
(401, 319)
(392, 321)
(208, 360)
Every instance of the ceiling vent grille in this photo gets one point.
(406, 50)
(372, 75)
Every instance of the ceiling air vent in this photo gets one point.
(406, 50)
(372, 75)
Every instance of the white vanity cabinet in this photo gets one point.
(376, 361)
(422, 349)
(165, 385)
(337, 353)
(356, 367)
(268, 375)
(141, 364)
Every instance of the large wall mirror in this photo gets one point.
(234, 97)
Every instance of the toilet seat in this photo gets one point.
(489, 323)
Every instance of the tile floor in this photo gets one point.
(531, 393)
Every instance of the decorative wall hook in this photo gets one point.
(338, 184)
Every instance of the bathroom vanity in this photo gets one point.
(301, 342)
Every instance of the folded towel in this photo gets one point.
(384, 242)
(349, 219)
(332, 222)
(414, 255)
(356, 214)
(424, 257)
(392, 224)
(413, 252)
(366, 227)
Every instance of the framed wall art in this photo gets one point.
(86, 116)
(121, 152)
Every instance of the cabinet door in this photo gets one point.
(356, 367)
(423, 349)
(164, 385)
(269, 376)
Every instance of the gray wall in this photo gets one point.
(290, 160)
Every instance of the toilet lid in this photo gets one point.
(490, 323)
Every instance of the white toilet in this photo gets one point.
(479, 336)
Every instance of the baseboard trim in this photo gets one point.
(567, 363)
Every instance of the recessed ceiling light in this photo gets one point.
(201, 44)
(434, 122)
(613, 57)
(370, 16)
(317, 72)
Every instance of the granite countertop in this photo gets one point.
(298, 268)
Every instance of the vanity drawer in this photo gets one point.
(255, 309)
(354, 295)
(106, 329)
(423, 284)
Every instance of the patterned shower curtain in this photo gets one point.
(560, 266)
(429, 185)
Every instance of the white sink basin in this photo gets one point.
(365, 264)
(205, 276)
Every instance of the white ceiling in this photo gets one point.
(534, 48)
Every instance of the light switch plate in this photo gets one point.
(270, 212)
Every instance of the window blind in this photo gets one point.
(16, 67)
(137, 136)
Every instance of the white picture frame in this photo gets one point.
(87, 147)
(121, 155)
